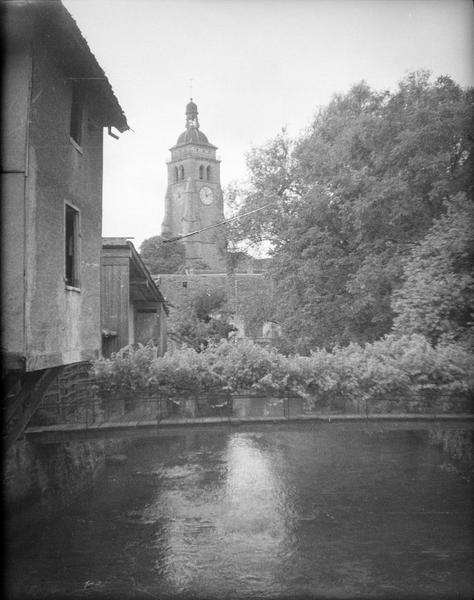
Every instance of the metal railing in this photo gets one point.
(91, 410)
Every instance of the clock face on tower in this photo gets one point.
(206, 195)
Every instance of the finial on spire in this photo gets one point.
(192, 115)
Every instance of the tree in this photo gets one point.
(160, 257)
(350, 198)
(436, 298)
(202, 318)
(270, 188)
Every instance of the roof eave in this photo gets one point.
(53, 15)
(193, 144)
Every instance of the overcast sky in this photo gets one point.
(256, 66)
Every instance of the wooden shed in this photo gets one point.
(132, 307)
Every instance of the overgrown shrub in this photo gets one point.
(183, 372)
(407, 368)
(246, 367)
(128, 370)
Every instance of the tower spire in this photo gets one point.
(191, 115)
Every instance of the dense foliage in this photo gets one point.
(370, 217)
(201, 318)
(437, 294)
(352, 199)
(404, 368)
(162, 258)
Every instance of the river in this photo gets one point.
(320, 511)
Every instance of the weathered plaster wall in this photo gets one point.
(62, 325)
(16, 79)
(12, 260)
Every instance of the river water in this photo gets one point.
(320, 511)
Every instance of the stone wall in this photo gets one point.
(248, 296)
(39, 479)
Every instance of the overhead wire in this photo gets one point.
(185, 235)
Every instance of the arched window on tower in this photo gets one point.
(201, 172)
(176, 174)
(208, 173)
(181, 172)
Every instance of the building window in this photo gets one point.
(176, 174)
(71, 240)
(201, 172)
(77, 113)
(181, 172)
(208, 173)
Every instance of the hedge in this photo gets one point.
(407, 367)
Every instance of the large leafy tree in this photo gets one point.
(351, 197)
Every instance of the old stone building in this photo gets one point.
(193, 200)
(194, 203)
(56, 102)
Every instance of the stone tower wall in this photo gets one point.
(192, 167)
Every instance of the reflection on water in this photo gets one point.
(328, 510)
(208, 532)
(267, 407)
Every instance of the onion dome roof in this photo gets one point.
(192, 135)
(191, 107)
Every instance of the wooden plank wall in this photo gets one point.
(115, 299)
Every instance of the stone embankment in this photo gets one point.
(39, 478)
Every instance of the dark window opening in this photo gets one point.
(201, 172)
(71, 246)
(208, 173)
(181, 172)
(77, 109)
(176, 174)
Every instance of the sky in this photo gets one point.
(252, 67)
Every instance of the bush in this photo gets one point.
(245, 366)
(406, 368)
(183, 373)
(128, 370)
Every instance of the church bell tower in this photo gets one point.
(194, 199)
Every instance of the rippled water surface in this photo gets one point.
(332, 510)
